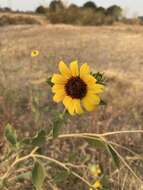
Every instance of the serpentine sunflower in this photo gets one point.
(34, 53)
(97, 185)
(77, 88)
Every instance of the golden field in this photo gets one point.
(115, 50)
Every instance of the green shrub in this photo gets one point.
(115, 11)
(56, 6)
(88, 14)
(41, 10)
(90, 5)
(88, 17)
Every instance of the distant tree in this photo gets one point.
(7, 9)
(73, 7)
(101, 10)
(56, 5)
(115, 11)
(73, 14)
(41, 10)
(90, 5)
(140, 17)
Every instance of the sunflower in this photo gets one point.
(76, 88)
(34, 53)
(95, 170)
(97, 185)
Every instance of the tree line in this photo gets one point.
(87, 14)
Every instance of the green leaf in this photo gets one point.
(26, 141)
(106, 182)
(61, 176)
(4, 183)
(39, 139)
(114, 156)
(38, 175)
(26, 175)
(1, 184)
(49, 81)
(10, 134)
(58, 122)
(99, 77)
(56, 129)
(97, 142)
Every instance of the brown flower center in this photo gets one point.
(76, 88)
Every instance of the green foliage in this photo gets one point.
(100, 143)
(88, 14)
(97, 143)
(38, 175)
(115, 11)
(61, 176)
(38, 140)
(99, 78)
(23, 176)
(106, 183)
(1, 184)
(88, 17)
(114, 155)
(41, 10)
(89, 5)
(49, 81)
(101, 10)
(10, 134)
(56, 6)
(59, 120)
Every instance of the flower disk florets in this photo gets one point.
(76, 88)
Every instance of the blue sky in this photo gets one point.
(131, 7)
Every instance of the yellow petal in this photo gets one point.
(88, 106)
(60, 93)
(90, 101)
(93, 98)
(96, 88)
(88, 79)
(77, 106)
(67, 101)
(58, 79)
(65, 71)
(74, 68)
(71, 107)
(57, 87)
(58, 97)
(97, 184)
(84, 70)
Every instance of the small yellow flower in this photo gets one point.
(77, 89)
(97, 185)
(95, 170)
(34, 53)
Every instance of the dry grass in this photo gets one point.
(118, 51)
